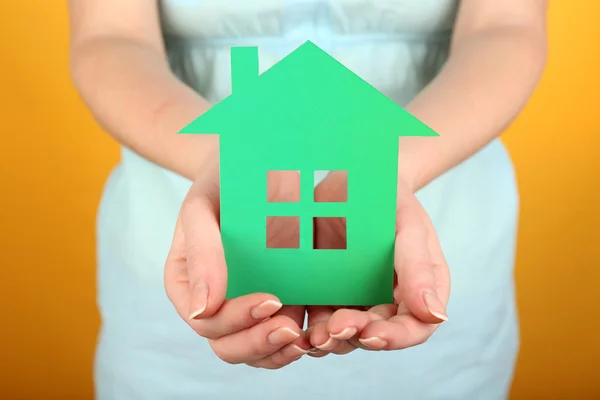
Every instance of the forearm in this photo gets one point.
(487, 80)
(134, 96)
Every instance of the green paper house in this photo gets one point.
(307, 113)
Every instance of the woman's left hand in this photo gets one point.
(421, 292)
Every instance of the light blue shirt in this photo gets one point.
(147, 352)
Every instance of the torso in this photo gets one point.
(148, 352)
(393, 45)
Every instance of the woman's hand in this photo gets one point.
(253, 329)
(422, 284)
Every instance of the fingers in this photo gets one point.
(398, 332)
(236, 315)
(417, 285)
(207, 271)
(380, 328)
(253, 344)
(321, 337)
(348, 324)
(176, 280)
(345, 342)
(296, 313)
(317, 330)
(291, 352)
(287, 355)
(344, 321)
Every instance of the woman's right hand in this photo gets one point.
(254, 329)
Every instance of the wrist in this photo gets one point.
(410, 169)
(422, 159)
(203, 157)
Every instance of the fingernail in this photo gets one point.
(265, 309)
(347, 333)
(435, 306)
(299, 351)
(199, 299)
(282, 336)
(313, 350)
(374, 342)
(293, 351)
(328, 345)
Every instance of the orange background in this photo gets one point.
(54, 160)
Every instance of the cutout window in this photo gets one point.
(283, 186)
(334, 229)
(283, 232)
(337, 190)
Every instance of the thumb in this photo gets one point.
(205, 258)
(417, 286)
